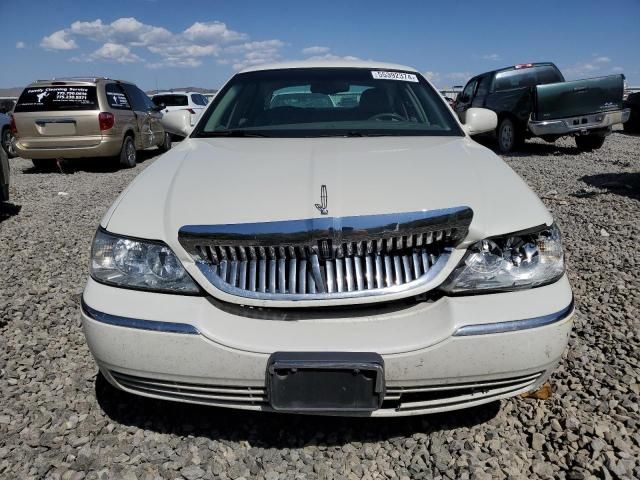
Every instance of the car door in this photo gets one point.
(145, 136)
(155, 120)
(463, 102)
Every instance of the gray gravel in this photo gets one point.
(58, 422)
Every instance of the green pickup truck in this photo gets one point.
(534, 100)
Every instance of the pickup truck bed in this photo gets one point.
(578, 106)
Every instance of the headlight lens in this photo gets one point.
(125, 262)
(520, 260)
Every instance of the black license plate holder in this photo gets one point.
(325, 381)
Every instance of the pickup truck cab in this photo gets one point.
(534, 100)
(355, 258)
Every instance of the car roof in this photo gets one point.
(177, 93)
(78, 80)
(513, 67)
(329, 64)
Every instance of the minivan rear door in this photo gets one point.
(49, 114)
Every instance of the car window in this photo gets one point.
(116, 97)
(137, 97)
(171, 100)
(197, 99)
(205, 100)
(469, 90)
(329, 101)
(526, 77)
(57, 98)
(483, 86)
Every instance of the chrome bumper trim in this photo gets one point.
(153, 325)
(515, 325)
(565, 126)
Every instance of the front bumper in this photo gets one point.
(431, 364)
(581, 124)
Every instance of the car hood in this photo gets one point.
(246, 180)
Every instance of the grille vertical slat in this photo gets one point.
(397, 266)
(406, 267)
(359, 275)
(331, 276)
(262, 275)
(302, 276)
(340, 275)
(388, 268)
(379, 272)
(282, 275)
(349, 268)
(293, 264)
(368, 261)
(272, 276)
(416, 264)
(253, 269)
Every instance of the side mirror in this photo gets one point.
(463, 98)
(478, 120)
(177, 122)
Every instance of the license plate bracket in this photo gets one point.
(325, 381)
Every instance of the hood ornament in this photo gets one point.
(322, 206)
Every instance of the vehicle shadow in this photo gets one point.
(8, 210)
(529, 148)
(624, 183)
(273, 430)
(90, 165)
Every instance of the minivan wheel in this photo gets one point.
(44, 164)
(128, 154)
(166, 144)
(508, 136)
(7, 142)
(586, 143)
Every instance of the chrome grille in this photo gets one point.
(327, 257)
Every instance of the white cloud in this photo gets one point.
(21, 45)
(212, 32)
(433, 77)
(617, 69)
(175, 62)
(257, 53)
(175, 49)
(494, 57)
(331, 56)
(58, 41)
(602, 60)
(113, 52)
(315, 50)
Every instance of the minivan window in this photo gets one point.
(483, 86)
(197, 99)
(137, 98)
(57, 98)
(171, 100)
(526, 77)
(306, 102)
(116, 97)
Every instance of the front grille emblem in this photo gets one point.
(322, 206)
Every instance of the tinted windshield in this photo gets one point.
(171, 100)
(327, 102)
(55, 98)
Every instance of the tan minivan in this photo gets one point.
(86, 117)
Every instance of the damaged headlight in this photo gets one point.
(510, 262)
(142, 264)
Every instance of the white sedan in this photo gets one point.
(346, 258)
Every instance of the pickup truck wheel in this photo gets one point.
(508, 136)
(586, 143)
(128, 154)
(166, 144)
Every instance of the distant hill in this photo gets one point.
(10, 92)
(184, 89)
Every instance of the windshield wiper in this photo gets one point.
(235, 133)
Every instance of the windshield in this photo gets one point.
(317, 102)
(171, 100)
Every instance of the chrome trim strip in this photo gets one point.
(515, 325)
(339, 230)
(153, 325)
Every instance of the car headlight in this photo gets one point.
(515, 261)
(142, 264)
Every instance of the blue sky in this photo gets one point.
(202, 43)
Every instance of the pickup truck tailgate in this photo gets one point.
(578, 97)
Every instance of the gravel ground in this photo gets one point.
(57, 420)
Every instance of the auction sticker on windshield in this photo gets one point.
(405, 77)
